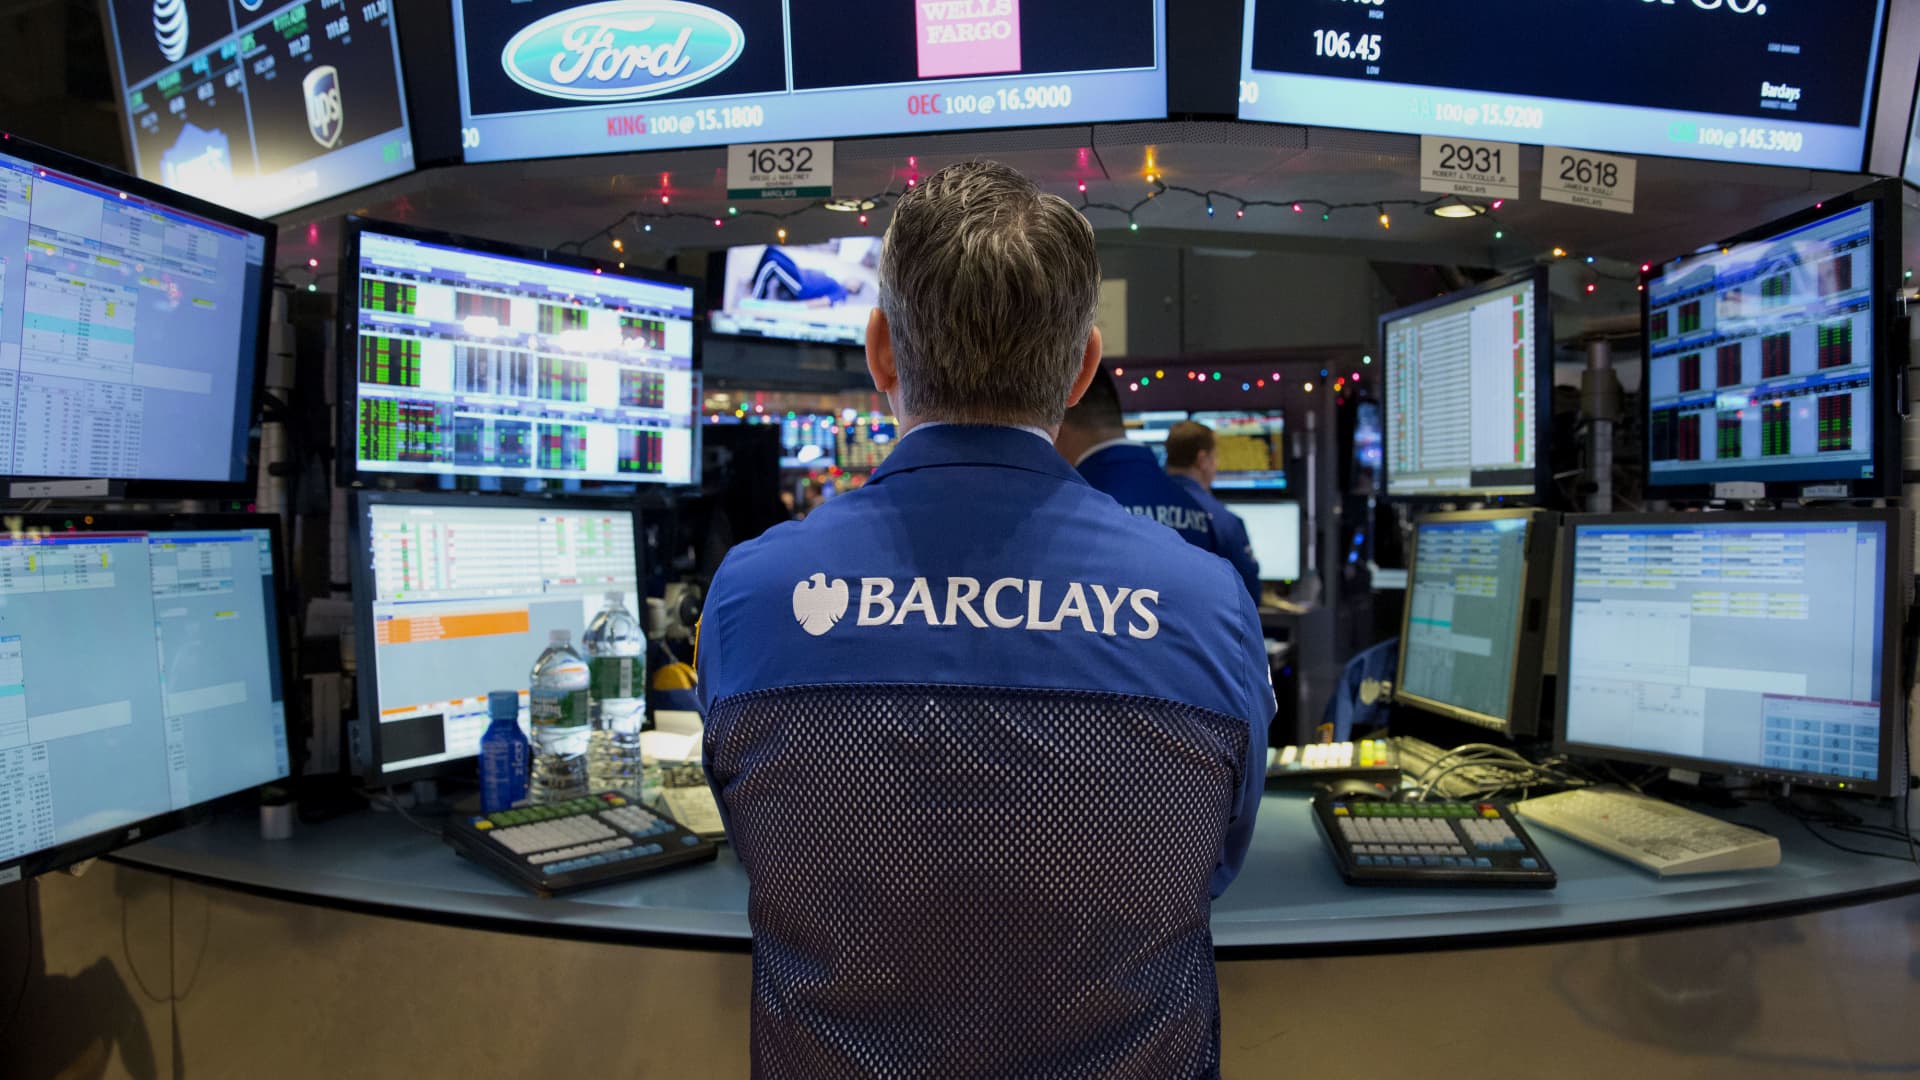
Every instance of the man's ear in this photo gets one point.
(1089, 364)
(886, 377)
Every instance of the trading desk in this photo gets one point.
(1288, 901)
(367, 940)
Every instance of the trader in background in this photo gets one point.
(1093, 438)
(985, 743)
(1192, 465)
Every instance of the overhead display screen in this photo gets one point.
(553, 78)
(1770, 82)
(473, 363)
(1760, 358)
(801, 292)
(261, 106)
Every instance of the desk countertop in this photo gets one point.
(1288, 901)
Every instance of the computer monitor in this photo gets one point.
(863, 443)
(1249, 449)
(141, 677)
(455, 596)
(1771, 356)
(261, 105)
(1369, 456)
(1467, 392)
(809, 441)
(1475, 623)
(1763, 645)
(1150, 429)
(467, 358)
(799, 292)
(1274, 529)
(132, 330)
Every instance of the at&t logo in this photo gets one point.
(170, 29)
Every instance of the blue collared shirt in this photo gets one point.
(985, 743)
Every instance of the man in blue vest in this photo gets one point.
(1093, 437)
(1192, 465)
(985, 743)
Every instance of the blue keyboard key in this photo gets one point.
(1483, 862)
(1398, 860)
(689, 841)
(1364, 860)
(1530, 864)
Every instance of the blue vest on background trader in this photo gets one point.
(981, 739)
(1131, 474)
(1231, 533)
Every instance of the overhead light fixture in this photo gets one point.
(1457, 210)
(851, 206)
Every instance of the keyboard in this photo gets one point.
(1390, 843)
(577, 844)
(1368, 759)
(1423, 762)
(1650, 833)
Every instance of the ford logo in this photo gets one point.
(622, 50)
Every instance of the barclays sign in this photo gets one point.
(622, 50)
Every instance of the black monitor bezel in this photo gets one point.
(100, 843)
(364, 757)
(347, 383)
(1543, 493)
(1883, 197)
(1892, 730)
(1538, 552)
(244, 487)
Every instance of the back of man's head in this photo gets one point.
(1098, 413)
(1186, 441)
(989, 287)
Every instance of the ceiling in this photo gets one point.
(1679, 204)
(59, 91)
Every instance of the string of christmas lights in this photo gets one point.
(1214, 197)
(1206, 373)
(1211, 201)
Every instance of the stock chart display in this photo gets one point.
(261, 106)
(477, 364)
(1760, 358)
(1771, 82)
(557, 77)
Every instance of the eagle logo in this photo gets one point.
(819, 606)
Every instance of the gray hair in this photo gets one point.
(989, 286)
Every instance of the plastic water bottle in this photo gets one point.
(616, 657)
(561, 727)
(504, 754)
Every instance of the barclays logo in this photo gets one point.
(622, 50)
